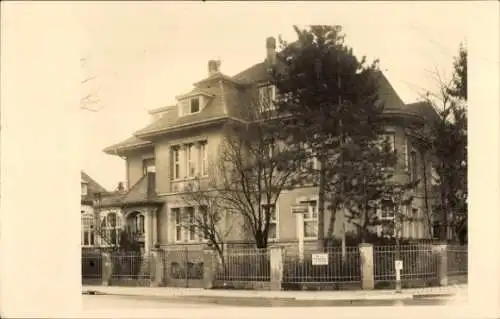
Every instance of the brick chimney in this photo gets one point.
(271, 50)
(213, 67)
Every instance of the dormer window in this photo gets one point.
(190, 105)
(194, 105)
(84, 188)
(267, 95)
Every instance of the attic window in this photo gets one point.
(194, 105)
(84, 189)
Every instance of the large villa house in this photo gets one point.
(182, 139)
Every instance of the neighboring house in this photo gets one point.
(89, 187)
(182, 140)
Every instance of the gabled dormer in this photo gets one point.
(193, 102)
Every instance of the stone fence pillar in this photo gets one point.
(157, 268)
(209, 267)
(366, 264)
(107, 268)
(441, 252)
(276, 262)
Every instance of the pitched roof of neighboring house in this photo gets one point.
(141, 193)
(92, 188)
(424, 109)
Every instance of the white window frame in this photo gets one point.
(191, 162)
(185, 225)
(203, 158)
(381, 213)
(190, 101)
(273, 221)
(312, 206)
(85, 187)
(88, 231)
(148, 167)
(263, 90)
(107, 228)
(176, 162)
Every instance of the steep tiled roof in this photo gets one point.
(424, 109)
(141, 193)
(255, 73)
(171, 119)
(92, 188)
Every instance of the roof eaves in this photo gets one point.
(152, 133)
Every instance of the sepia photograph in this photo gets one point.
(234, 156)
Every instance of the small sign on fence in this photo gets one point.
(319, 259)
(398, 264)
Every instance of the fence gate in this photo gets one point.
(183, 267)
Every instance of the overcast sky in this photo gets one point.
(141, 55)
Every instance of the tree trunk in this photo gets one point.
(321, 206)
(426, 194)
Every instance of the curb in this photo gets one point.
(216, 299)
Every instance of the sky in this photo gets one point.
(139, 56)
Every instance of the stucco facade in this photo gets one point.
(221, 101)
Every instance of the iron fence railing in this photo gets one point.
(244, 264)
(457, 260)
(419, 262)
(134, 268)
(341, 268)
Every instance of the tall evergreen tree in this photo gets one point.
(331, 100)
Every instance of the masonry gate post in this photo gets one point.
(107, 268)
(209, 267)
(441, 252)
(366, 264)
(157, 268)
(276, 264)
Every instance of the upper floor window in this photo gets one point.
(176, 162)
(204, 158)
(88, 229)
(188, 160)
(267, 95)
(434, 175)
(84, 188)
(148, 164)
(311, 220)
(413, 166)
(387, 210)
(270, 210)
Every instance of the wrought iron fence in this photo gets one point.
(131, 268)
(338, 268)
(244, 264)
(420, 263)
(457, 256)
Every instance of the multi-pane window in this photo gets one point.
(204, 158)
(111, 226)
(311, 220)
(176, 212)
(190, 106)
(203, 211)
(189, 160)
(88, 229)
(267, 94)
(270, 210)
(185, 224)
(176, 162)
(413, 166)
(387, 210)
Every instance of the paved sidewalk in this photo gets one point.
(195, 293)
